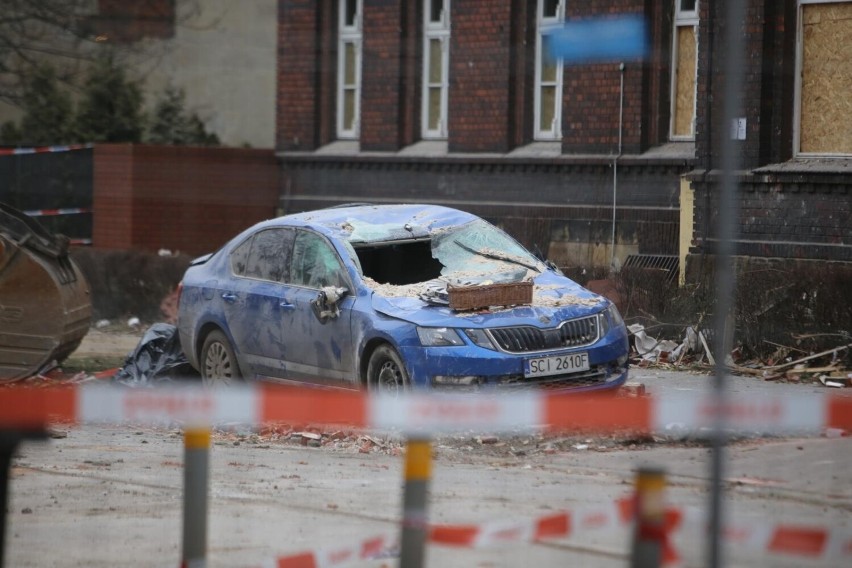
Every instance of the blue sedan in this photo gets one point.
(391, 297)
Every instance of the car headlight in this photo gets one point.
(438, 336)
(610, 319)
(615, 316)
(480, 338)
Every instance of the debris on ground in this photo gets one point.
(55, 376)
(828, 367)
(505, 446)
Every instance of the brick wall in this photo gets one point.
(492, 69)
(186, 199)
(127, 22)
(480, 74)
(591, 93)
(768, 84)
(298, 102)
(803, 215)
(530, 198)
(385, 31)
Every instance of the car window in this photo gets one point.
(239, 256)
(315, 263)
(270, 254)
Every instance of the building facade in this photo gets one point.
(794, 138)
(458, 102)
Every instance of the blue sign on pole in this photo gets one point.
(599, 40)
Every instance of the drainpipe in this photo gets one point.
(615, 160)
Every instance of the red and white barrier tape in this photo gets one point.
(420, 412)
(383, 545)
(58, 212)
(783, 539)
(787, 539)
(43, 149)
(553, 525)
(560, 524)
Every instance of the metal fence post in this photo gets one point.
(415, 520)
(195, 484)
(650, 529)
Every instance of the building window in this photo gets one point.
(823, 122)
(548, 72)
(349, 69)
(684, 66)
(436, 58)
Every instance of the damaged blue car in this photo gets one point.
(390, 297)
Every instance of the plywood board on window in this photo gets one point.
(685, 83)
(826, 93)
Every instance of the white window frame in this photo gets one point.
(431, 31)
(543, 27)
(348, 34)
(683, 18)
(797, 104)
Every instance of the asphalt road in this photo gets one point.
(109, 496)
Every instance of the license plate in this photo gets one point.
(556, 365)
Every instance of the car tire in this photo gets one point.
(386, 371)
(218, 362)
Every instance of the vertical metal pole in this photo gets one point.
(650, 531)
(195, 483)
(728, 218)
(9, 441)
(415, 519)
(615, 162)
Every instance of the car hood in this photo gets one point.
(555, 298)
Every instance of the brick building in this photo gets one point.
(795, 138)
(457, 102)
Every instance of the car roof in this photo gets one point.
(376, 223)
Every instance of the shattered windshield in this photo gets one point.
(480, 249)
(476, 253)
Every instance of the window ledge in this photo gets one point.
(425, 148)
(339, 148)
(538, 150)
(809, 165)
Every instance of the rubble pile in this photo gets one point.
(789, 364)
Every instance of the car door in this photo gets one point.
(254, 307)
(320, 349)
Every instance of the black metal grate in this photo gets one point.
(524, 339)
(665, 262)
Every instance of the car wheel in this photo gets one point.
(218, 363)
(386, 372)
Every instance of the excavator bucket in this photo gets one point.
(45, 307)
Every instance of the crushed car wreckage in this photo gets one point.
(392, 296)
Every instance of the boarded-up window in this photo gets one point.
(684, 61)
(684, 92)
(826, 79)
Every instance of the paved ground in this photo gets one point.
(108, 496)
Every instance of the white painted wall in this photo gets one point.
(223, 55)
(224, 59)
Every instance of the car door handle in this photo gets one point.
(284, 304)
(229, 297)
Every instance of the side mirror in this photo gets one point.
(326, 305)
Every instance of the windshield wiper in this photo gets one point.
(498, 256)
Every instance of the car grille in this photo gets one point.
(525, 339)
